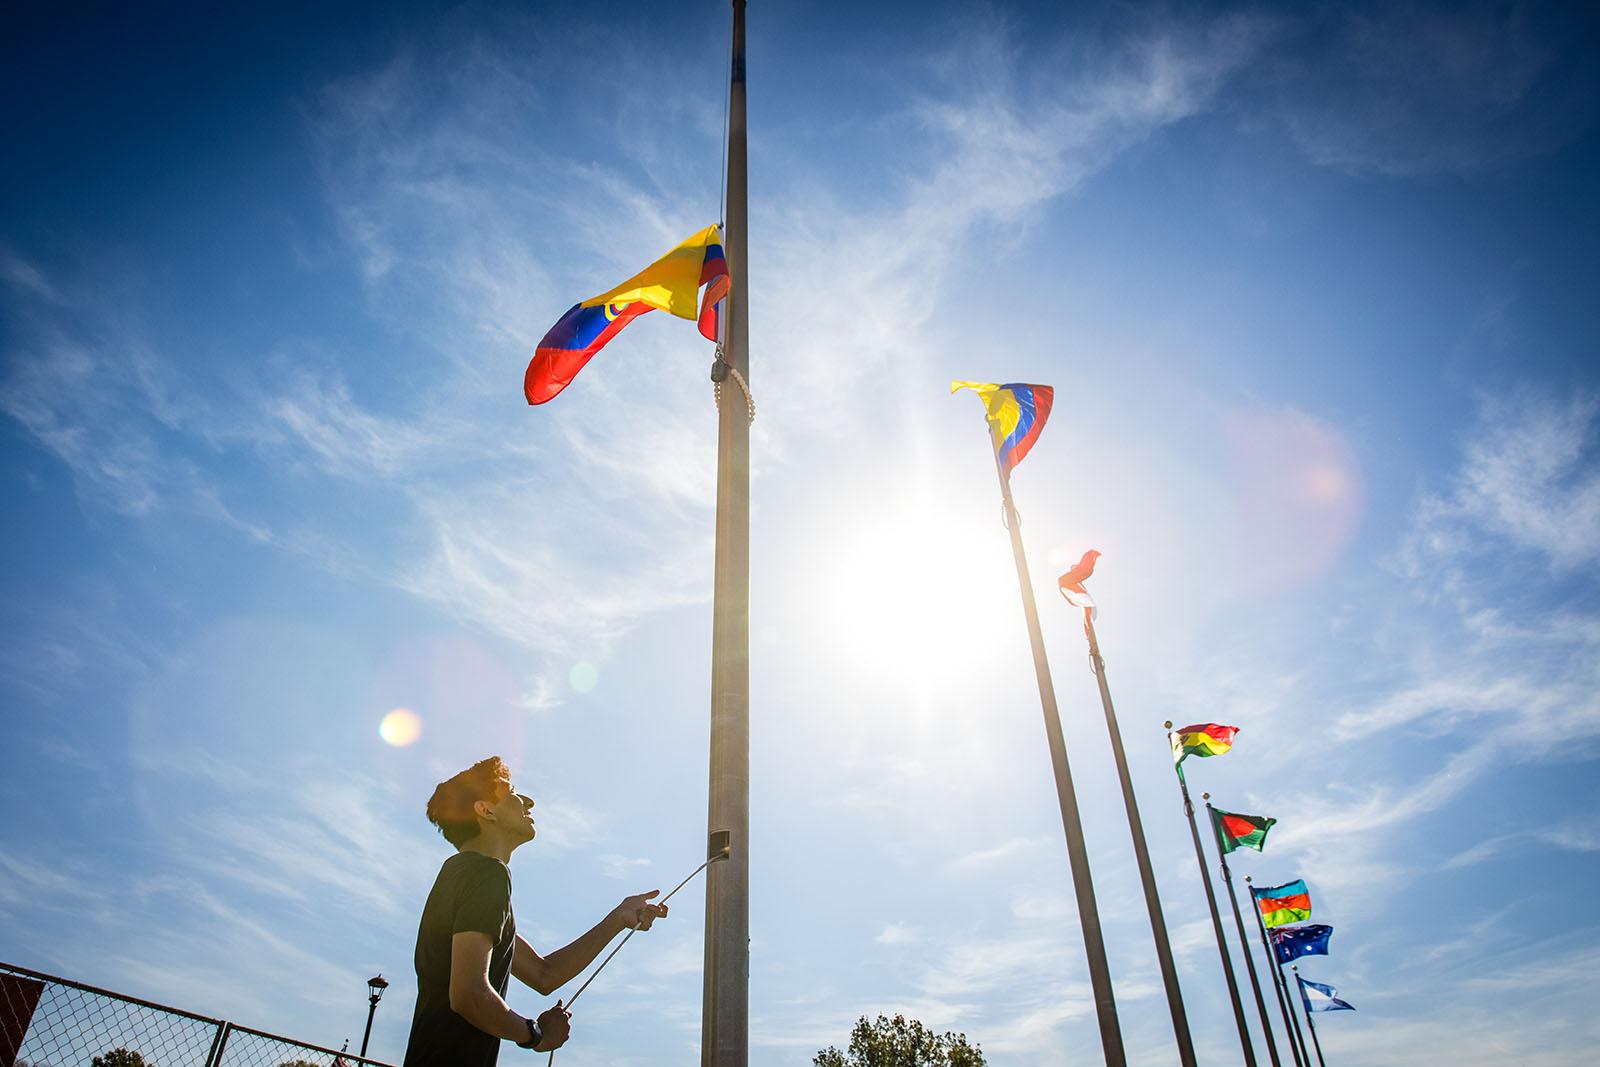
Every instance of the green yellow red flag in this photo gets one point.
(1201, 739)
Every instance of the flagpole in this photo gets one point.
(1310, 1022)
(724, 1024)
(1294, 1016)
(1094, 945)
(1244, 940)
(1141, 852)
(1276, 978)
(1216, 920)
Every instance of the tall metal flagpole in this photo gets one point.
(1244, 940)
(724, 1025)
(1141, 852)
(1301, 1059)
(1310, 1022)
(1094, 944)
(1294, 1015)
(1216, 921)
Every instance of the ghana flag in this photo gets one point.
(1240, 831)
(1279, 904)
(1201, 739)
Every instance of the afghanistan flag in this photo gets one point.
(1289, 943)
(1240, 831)
(1281, 904)
(1201, 739)
(1318, 997)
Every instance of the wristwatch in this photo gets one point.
(535, 1035)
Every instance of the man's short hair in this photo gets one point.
(450, 807)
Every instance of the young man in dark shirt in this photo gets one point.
(467, 944)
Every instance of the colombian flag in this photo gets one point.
(1280, 904)
(1016, 415)
(1201, 739)
(670, 284)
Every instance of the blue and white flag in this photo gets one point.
(1318, 997)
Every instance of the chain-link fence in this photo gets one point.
(47, 1021)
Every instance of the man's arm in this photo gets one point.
(475, 1000)
(549, 973)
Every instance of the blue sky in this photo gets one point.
(1314, 287)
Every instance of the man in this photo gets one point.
(467, 943)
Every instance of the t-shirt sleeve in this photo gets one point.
(484, 901)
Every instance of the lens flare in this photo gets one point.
(401, 727)
(583, 677)
(1298, 496)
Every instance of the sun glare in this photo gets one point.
(401, 727)
(911, 597)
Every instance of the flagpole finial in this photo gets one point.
(1167, 724)
(1205, 796)
(1247, 877)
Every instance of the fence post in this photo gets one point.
(218, 1043)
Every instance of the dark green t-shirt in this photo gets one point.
(472, 892)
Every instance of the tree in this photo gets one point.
(299, 1063)
(118, 1057)
(901, 1042)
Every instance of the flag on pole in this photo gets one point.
(1291, 942)
(1282, 904)
(1016, 415)
(670, 284)
(1318, 997)
(1201, 739)
(1071, 585)
(1241, 831)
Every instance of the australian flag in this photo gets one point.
(1289, 943)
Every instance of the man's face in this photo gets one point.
(513, 813)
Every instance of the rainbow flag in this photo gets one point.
(670, 284)
(1016, 414)
(1241, 831)
(1201, 739)
(1280, 904)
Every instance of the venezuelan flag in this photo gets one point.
(1016, 415)
(1201, 739)
(1281, 904)
(669, 284)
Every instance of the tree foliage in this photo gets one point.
(118, 1057)
(901, 1042)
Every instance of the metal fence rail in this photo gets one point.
(46, 1021)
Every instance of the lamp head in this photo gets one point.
(376, 985)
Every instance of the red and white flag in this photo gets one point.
(1071, 584)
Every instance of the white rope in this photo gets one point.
(633, 930)
(744, 387)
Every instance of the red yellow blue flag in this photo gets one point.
(1016, 414)
(669, 284)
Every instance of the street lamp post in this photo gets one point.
(375, 988)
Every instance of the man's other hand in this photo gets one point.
(637, 913)
(556, 1026)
